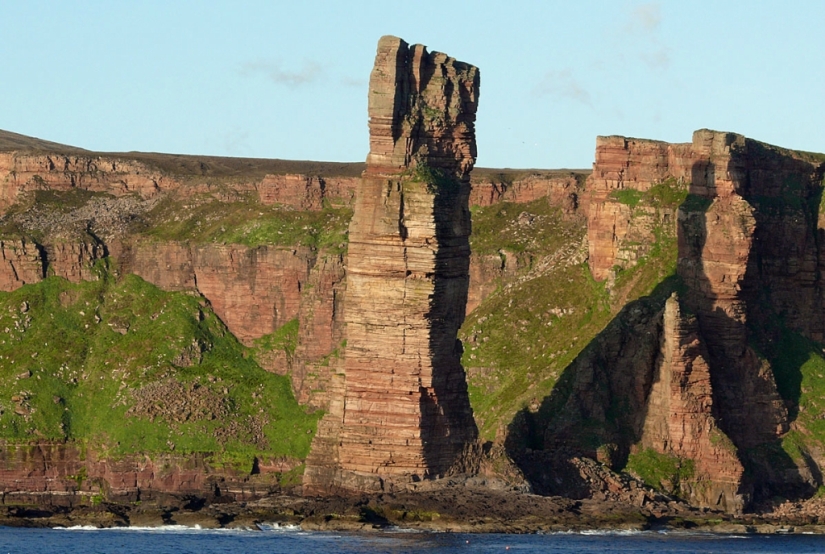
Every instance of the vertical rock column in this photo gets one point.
(405, 413)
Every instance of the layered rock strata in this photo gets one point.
(749, 258)
(307, 192)
(21, 262)
(24, 172)
(614, 232)
(565, 190)
(405, 413)
(679, 419)
(65, 475)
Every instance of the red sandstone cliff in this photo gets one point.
(405, 413)
(64, 475)
(679, 420)
(625, 164)
(748, 258)
(118, 174)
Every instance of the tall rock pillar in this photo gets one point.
(405, 414)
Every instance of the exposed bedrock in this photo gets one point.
(564, 189)
(24, 172)
(749, 261)
(643, 384)
(679, 417)
(66, 475)
(614, 232)
(405, 413)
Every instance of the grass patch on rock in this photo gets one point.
(662, 472)
(537, 227)
(249, 223)
(521, 339)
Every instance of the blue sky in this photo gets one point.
(288, 79)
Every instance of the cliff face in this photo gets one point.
(62, 475)
(703, 379)
(307, 192)
(749, 257)
(405, 413)
(23, 172)
(713, 378)
(20, 263)
(565, 190)
(679, 419)
(623, 168)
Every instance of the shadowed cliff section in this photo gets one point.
(697, 394)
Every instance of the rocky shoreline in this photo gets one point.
(449, 510)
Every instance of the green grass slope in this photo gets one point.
(520, 340)
(123, 367)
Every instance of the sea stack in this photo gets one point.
(402, 413)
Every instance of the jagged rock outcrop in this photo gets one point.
(679, 417)
(405, 413)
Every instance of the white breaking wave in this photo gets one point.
(160, 529)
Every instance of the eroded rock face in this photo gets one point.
(405, 413)
(47, 474)
(22, 172)
(21, 262)
(715, 247)
(306, 192)
(253, 290)
(679, 419)
(321, 333)
(748, 257)
(627, 164)
(565, 190)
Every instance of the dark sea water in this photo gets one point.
(291, 541)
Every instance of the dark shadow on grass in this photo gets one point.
(598, 405)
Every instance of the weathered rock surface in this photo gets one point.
(749, 258)
(59, 474)
(679, 419)
(625, 164)
(747, 253)
(563, 189)
(21, 262)
(307, 192)
(406, 414)
(321, 333)
(24, 172)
